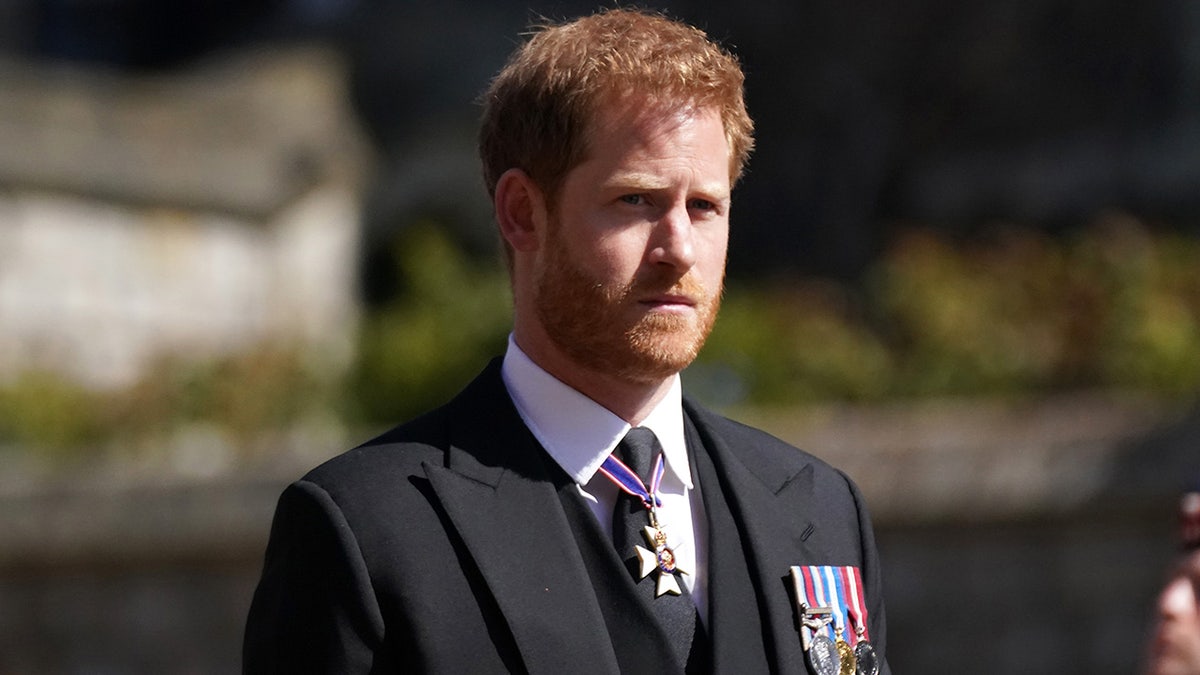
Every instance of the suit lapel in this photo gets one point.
(500, 496)
(771, 501)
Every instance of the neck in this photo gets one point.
(631, 400)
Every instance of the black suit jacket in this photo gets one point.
(442, 546)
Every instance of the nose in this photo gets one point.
(672, 239)
(1178, 598)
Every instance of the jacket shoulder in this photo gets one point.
(474, 426)
(403, 448)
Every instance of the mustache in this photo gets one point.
(686, 286)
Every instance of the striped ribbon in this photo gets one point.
(630, 483)
(840, 589)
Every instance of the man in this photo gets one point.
(496, 534)
(1174, 647)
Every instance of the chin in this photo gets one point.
(648, 371)
(655, 362)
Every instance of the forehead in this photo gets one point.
(623, 118)
(627, 135)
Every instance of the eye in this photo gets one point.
(707, 208)
(634, 200)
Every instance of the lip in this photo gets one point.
(1163, 642)
(670, 301)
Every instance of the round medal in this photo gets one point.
(845, 656)
(823, 656)
(866, 660)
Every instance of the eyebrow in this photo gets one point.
(636, 180)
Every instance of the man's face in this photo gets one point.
(1175, 644)
(630, 274)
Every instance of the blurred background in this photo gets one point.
(237, 237)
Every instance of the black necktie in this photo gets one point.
(676, 613)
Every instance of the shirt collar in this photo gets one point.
(579, 433)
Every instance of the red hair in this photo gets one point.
(538, 110)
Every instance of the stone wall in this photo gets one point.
(200, 214)
(133, 570)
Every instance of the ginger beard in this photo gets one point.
(602, 326)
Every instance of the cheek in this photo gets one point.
(712, 257)
(616, 257)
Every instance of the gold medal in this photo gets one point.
(846, 654)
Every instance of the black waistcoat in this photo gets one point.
(734, 627)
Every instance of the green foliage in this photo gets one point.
(983, 318)
(421, 349)
(1019, 312)
(47, 411)
(265, 389)
(1114, 306)
(796, 344)
(1149, 335)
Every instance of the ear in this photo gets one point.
(520, 210)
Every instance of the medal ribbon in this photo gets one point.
(815, 591)
(837, 599)
(630, 483)
(840, 589)
(852, 579)
(826, 599)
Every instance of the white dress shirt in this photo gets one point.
(579, 434)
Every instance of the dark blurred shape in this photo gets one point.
(143, 33)
(869, 114)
